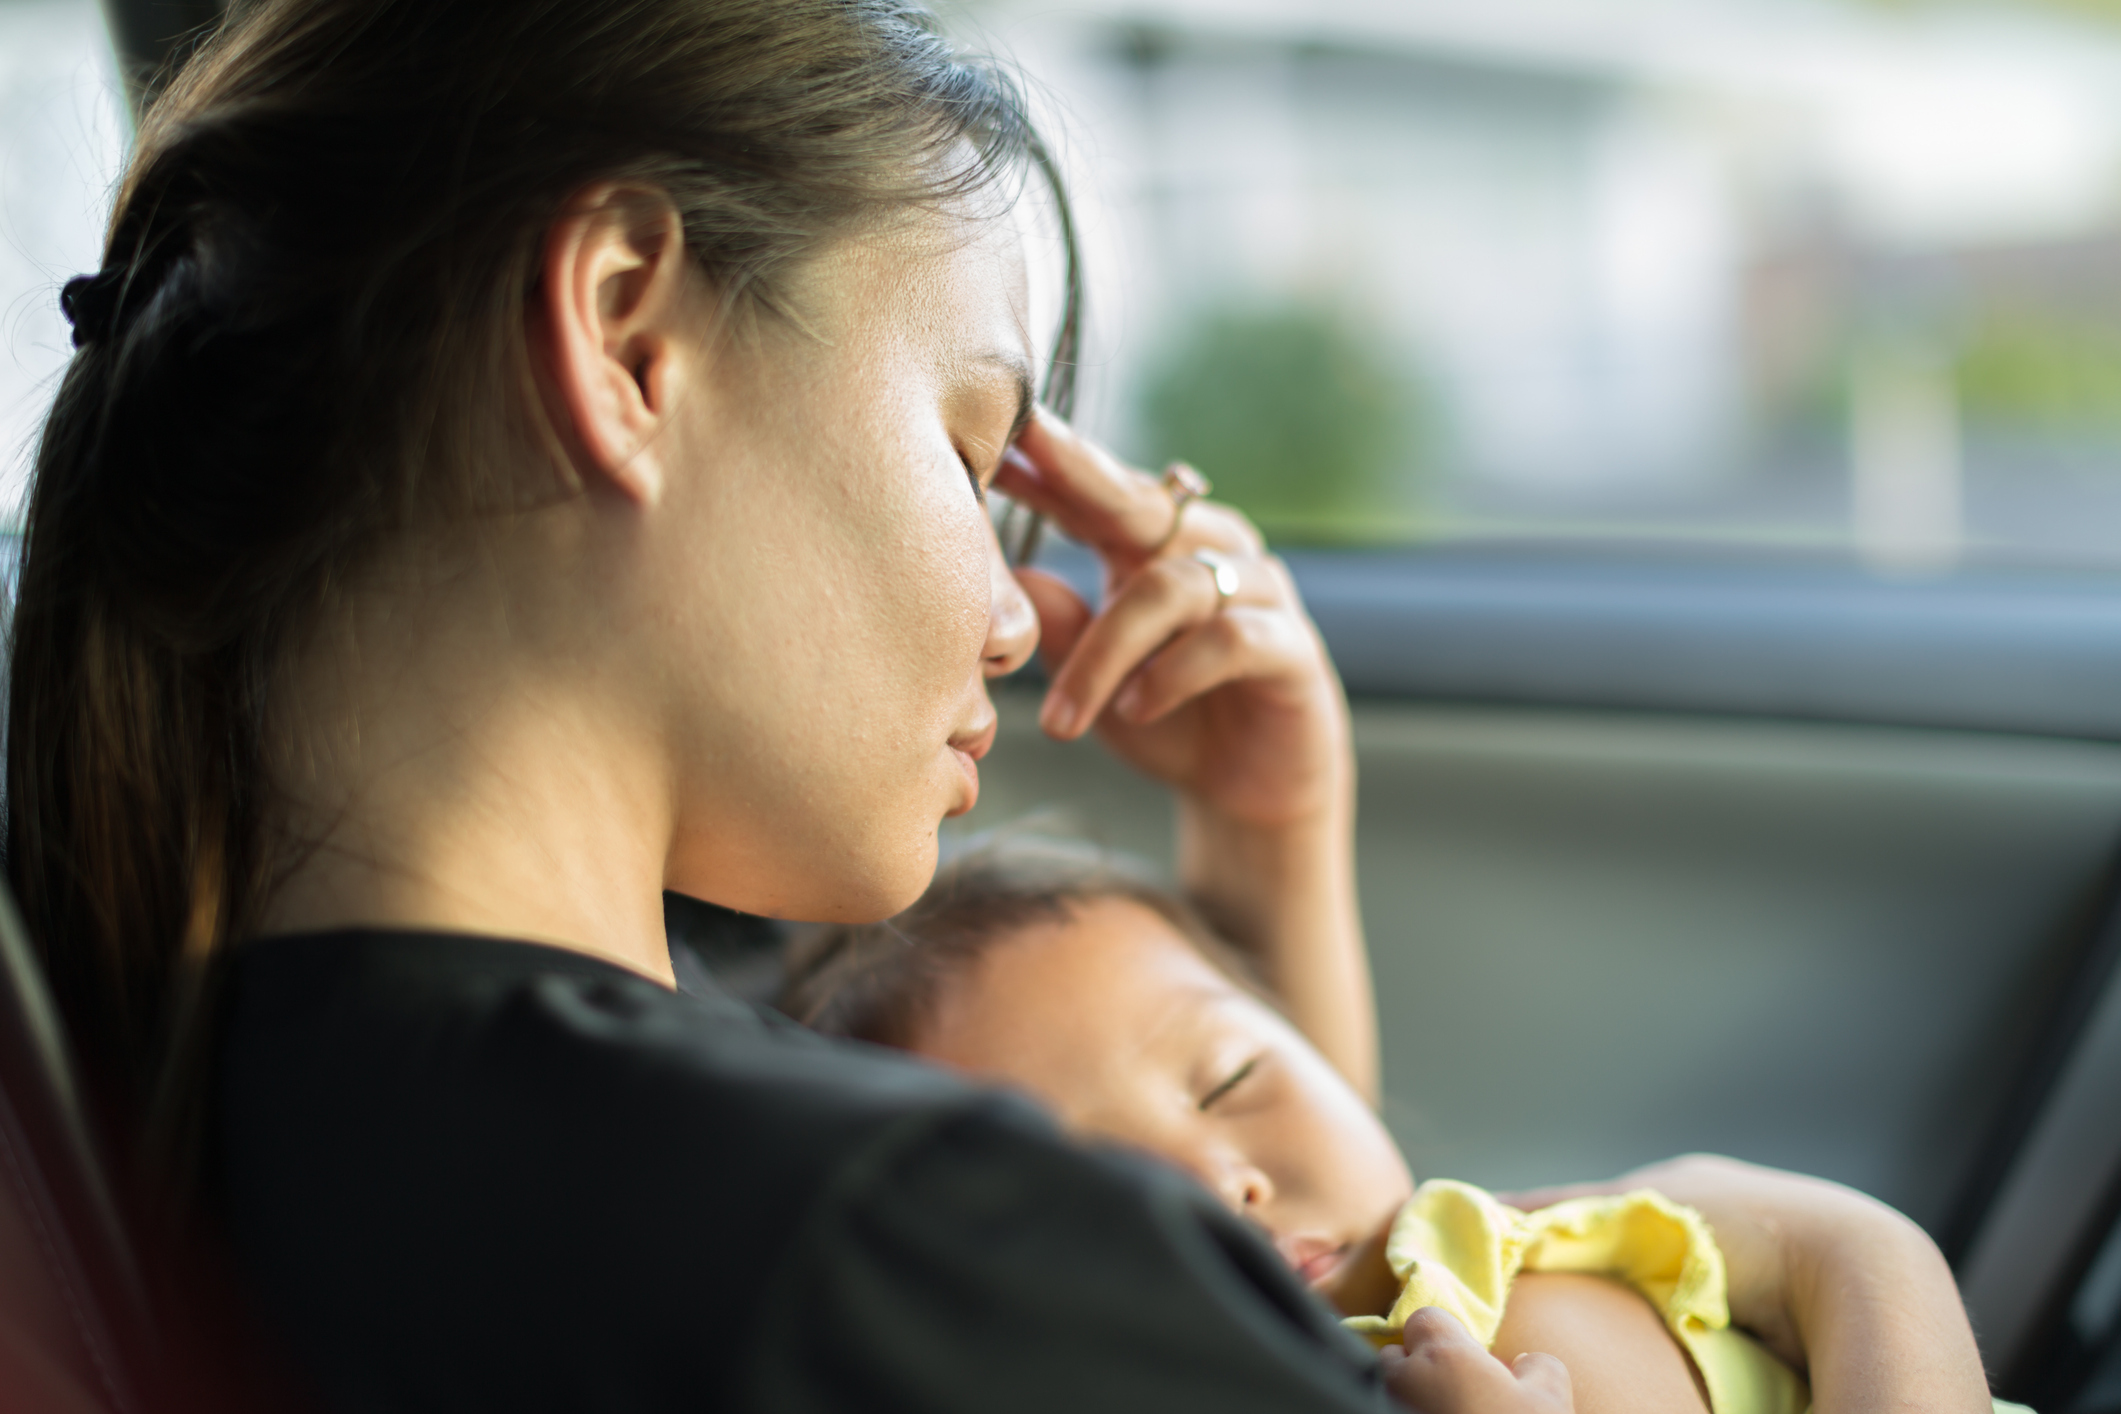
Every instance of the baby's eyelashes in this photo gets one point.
(1229, 1083)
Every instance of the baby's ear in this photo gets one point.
(612, 326)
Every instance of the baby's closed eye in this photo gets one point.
(1229, 1083)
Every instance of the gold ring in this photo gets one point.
(1184, 486)
(1223, 570)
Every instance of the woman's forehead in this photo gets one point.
(953, 284)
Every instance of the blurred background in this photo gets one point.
(1827, 275)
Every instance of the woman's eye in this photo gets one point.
(972, 475)
(1229, 1082)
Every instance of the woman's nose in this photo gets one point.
(1012, 622)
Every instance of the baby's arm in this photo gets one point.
(1620, 1357)
(1837, 1284)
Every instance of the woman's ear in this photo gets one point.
(610, 330)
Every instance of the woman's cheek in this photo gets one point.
(927, 558)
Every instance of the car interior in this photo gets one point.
(1766, 855)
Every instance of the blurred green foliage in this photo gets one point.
(2042, 371)
(1298, 416)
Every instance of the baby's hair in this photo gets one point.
(881, 982)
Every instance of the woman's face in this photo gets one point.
(1120, 1025)
(827, 606)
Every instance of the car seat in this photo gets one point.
(74, 1323)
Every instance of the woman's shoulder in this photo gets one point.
(417, 1031)
(986, 1252)
(582, 1177)
(519, 1143)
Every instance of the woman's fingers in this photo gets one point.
(1062, 614)
(1163, 599)
(1083, 489)
(1119, 512)
(1240, 643)
(1442, 1370)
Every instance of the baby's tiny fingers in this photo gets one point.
(1445, 1370)
(1546, 1379)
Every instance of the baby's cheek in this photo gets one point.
(1354, 1152)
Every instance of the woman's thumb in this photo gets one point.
(1062, 616)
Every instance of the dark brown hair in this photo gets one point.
(308, 335)
(881, 982)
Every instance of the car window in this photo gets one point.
(63, 132)
(1835, 278)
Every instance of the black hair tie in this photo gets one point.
(90, 303)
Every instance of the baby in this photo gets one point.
(1071, 977)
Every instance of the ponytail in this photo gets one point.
(136, 689)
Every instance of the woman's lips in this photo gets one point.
(969, 747)
(978, 742)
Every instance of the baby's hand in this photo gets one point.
(1441, 1369)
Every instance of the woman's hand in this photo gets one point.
(1834, 1282)
(1441, 1369)
(1232, 701)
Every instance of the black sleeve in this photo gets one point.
(977, 1262)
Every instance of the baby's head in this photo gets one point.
(1067, 975)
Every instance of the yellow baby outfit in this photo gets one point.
(1460, 1247)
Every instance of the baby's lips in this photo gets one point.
(1315, 1259)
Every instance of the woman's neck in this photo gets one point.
(472, 772)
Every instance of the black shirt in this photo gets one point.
(467, 1174)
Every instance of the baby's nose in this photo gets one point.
(1245, 1187)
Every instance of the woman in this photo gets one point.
(525, 457)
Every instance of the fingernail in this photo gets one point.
(1057, 716)
(1129, 700)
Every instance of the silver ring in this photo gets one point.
(1223, 570)
(1184, 486)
